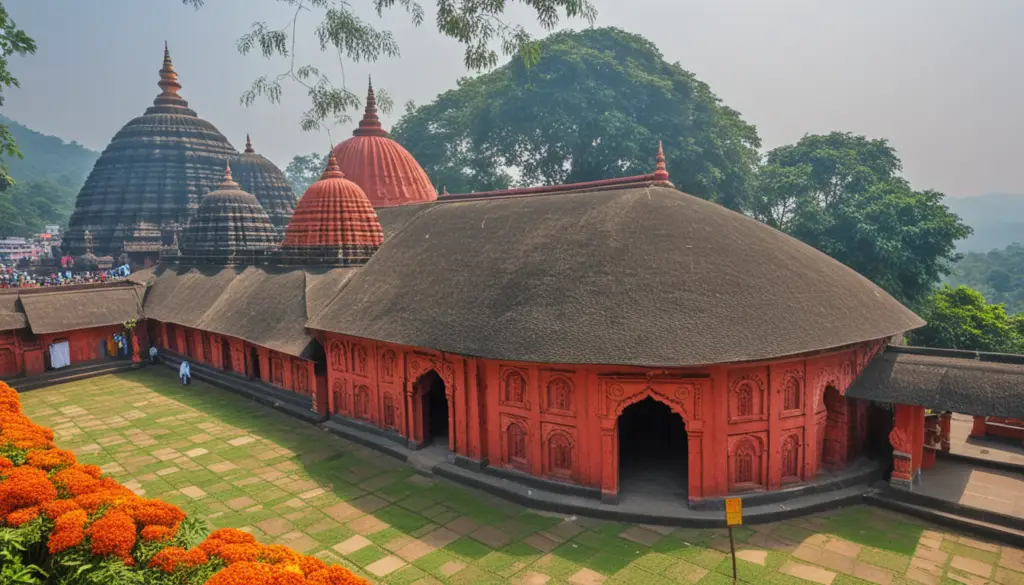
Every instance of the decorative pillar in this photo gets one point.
(136, 358)
(932, 440)
(907, 439)
(412, 434)
(609, 464)
(978, 430)
(945, 423)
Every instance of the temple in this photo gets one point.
(588, 339)
(150, 179)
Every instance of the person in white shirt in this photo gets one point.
(152, 354)
(185, 372)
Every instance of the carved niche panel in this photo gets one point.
(388, 365)
(747, 462)
(341, 402)
(361, 401)
(748, 398)
(418, 365)
(389, 414)
(515, 388)
(791, 454)
(515, 442)
(559, 451)
(300, 377)
(359, 359)
(277, 370)
(559, 395)
(682, 395)
(792, 390)
(336, 355)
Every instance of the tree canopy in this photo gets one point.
(960, 318)
(594, 106)
(476, 24)
(304, 170)
(998, 274)
(842, 194)
(13, 41)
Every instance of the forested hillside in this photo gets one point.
(997, 219)
(47, 180)
(997, 274)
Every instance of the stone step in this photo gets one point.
(955, 508)
(988, 530)
(70, 374)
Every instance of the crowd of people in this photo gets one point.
(12, 277)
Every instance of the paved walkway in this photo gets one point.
(971, 485)
(993, 448)
(239, 464)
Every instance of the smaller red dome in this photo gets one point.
(333, 222)
(384, 169)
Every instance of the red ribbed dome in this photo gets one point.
(334, 221)
(385, 170)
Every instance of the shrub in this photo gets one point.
(63, 522)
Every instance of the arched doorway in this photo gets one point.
(434, 409)
(833, 454)
(254, 364)
(225, 355)
(653, 451)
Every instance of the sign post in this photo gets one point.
(733, 517)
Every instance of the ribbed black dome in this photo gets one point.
(229, 227)
(257, 175)
(155, 170)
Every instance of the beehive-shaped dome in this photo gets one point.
(230, 227)
(257, 175)
(334, 223)
(155, 170)
(385, 170)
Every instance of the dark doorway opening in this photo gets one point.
(652, 450)
(254, 364)
(225, 356)
(835, 416)
(435, 409)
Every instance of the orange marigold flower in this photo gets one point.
(68, 531)
(24, 487)
(173, 557)
(243, 574)
(287, 576)
(93, 470)
(51, 458)
(157, 533)
(311, 565)
(113, 534)
(58, 508)
(5, 463)
(335, 575)
(76, 480)
(92, 502)
(279, 554)
(9, 400)
(155, 513)
(224, 536)
(22, 516)
(237, 553)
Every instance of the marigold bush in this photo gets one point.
(84, 521)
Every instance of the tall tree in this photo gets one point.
(476, 24)
(13, 41)
(960, 318)
(842, 194)
(304, 170)
(593, 107)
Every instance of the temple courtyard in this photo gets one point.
(239, 464)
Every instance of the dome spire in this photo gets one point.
(660, 171)
(168, 83)
(370, 124)
(227, 182)
(248, 144)
(332, 171)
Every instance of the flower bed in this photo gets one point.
(62, 522)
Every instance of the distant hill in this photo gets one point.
(48, 157)
(48, 179)
(997, 219)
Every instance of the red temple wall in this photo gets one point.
(236, 355)
(750, 427)
(22, 352)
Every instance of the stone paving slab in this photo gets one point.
(239, 464)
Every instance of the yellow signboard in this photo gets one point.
(733, 511)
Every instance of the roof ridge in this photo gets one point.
(601, 184)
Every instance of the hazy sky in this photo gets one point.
(943, 80)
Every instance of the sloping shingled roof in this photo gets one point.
(266, 306)
(67, 310)
(11, 315)
(955, 384)
(640, 274)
